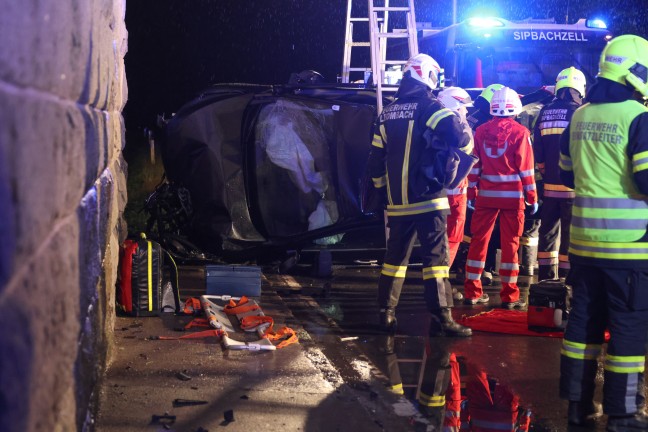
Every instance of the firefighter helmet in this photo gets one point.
(424, 69)
(572, 78)
(488, 92)
(454, 98)
(625, 60)
(505, 103)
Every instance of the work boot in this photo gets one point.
(581, 413)
(387, 320)
(633, 422)
(442, 324)
(518, 304)
(487, 278)
(456, 295)
(483, 299)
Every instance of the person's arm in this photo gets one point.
(526, 168)
(377, 158)
(565, 163)
(475, 172)
(538, 146)
(638, 151)
(447, 125)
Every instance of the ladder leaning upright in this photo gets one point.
(380, 34)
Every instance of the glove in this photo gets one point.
(471, 204)
(534, 208)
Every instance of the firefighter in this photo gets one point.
(397, 150)
(500, 183)
(558, 198)
(478, 117)
(604, 158)
(457, 100)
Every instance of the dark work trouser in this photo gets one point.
(616, 300)
(556, 218)
(431, 231)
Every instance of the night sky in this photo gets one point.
(178, 47)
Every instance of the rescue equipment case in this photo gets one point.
(548, 305)
(140, 287)
(233, 280)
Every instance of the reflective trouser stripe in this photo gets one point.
(394, 271)
(624, 364)
(397, 389)
(580, 351)
(436, 272)
(432, 401)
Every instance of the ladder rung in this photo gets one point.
(393, 62)
(360, 44)
(360, 19)
(357, 69)
(393, 35)
(391, 9)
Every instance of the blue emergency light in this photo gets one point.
(485, 22)
(595, 23)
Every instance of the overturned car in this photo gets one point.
(274, 167)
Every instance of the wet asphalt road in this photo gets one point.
(340, 314)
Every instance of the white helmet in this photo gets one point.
(424, 69)
(454, 98)
(505, 103)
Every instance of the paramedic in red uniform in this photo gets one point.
(397, 149)
(500, 183)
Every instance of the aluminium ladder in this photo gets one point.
(380, 33)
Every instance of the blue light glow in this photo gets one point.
(596, 23)
(485, 22)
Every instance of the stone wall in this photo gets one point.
(62, 195)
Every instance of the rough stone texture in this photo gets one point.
(62, 196)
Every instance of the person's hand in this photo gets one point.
(471, 204)
(534, 208)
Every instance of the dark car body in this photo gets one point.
(273, 166)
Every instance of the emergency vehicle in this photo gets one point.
(524, 55)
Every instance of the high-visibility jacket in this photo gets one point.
(504, 175)
(398, 148)
(462, 188)
(610, 214)
(553, 119)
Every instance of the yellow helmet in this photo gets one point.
(572, 78)
(489, 91)
(625, 60)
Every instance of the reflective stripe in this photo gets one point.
(551, 131)
(149, 251)
(559, 194)
(554, 124)
(611, 203)
(394, 271)
(501, 194)
(379, 182)
(473, 276)
(475, 171)
(563, 257)
(466, 239)
(580, 351)
(501, 178)
(434, 120)
(377, 141)
(509, 279)
(640, 161)
(555, 187)
(529, 241)
(547, 261)
(565, 163)
(436, 272)
(529, 187)
(405, 170)
(624, 364)
(527, 173)
(509, 266)
(635, 250)
(472, 184)
(418, 208)
(475, 263)
(432, 401)
(457, 191)
(619, 224)
(548, 254)
(565, 265)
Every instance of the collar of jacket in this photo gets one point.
(410, 88)
(569, 95)
(607, 91)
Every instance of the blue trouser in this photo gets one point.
(616, 300)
